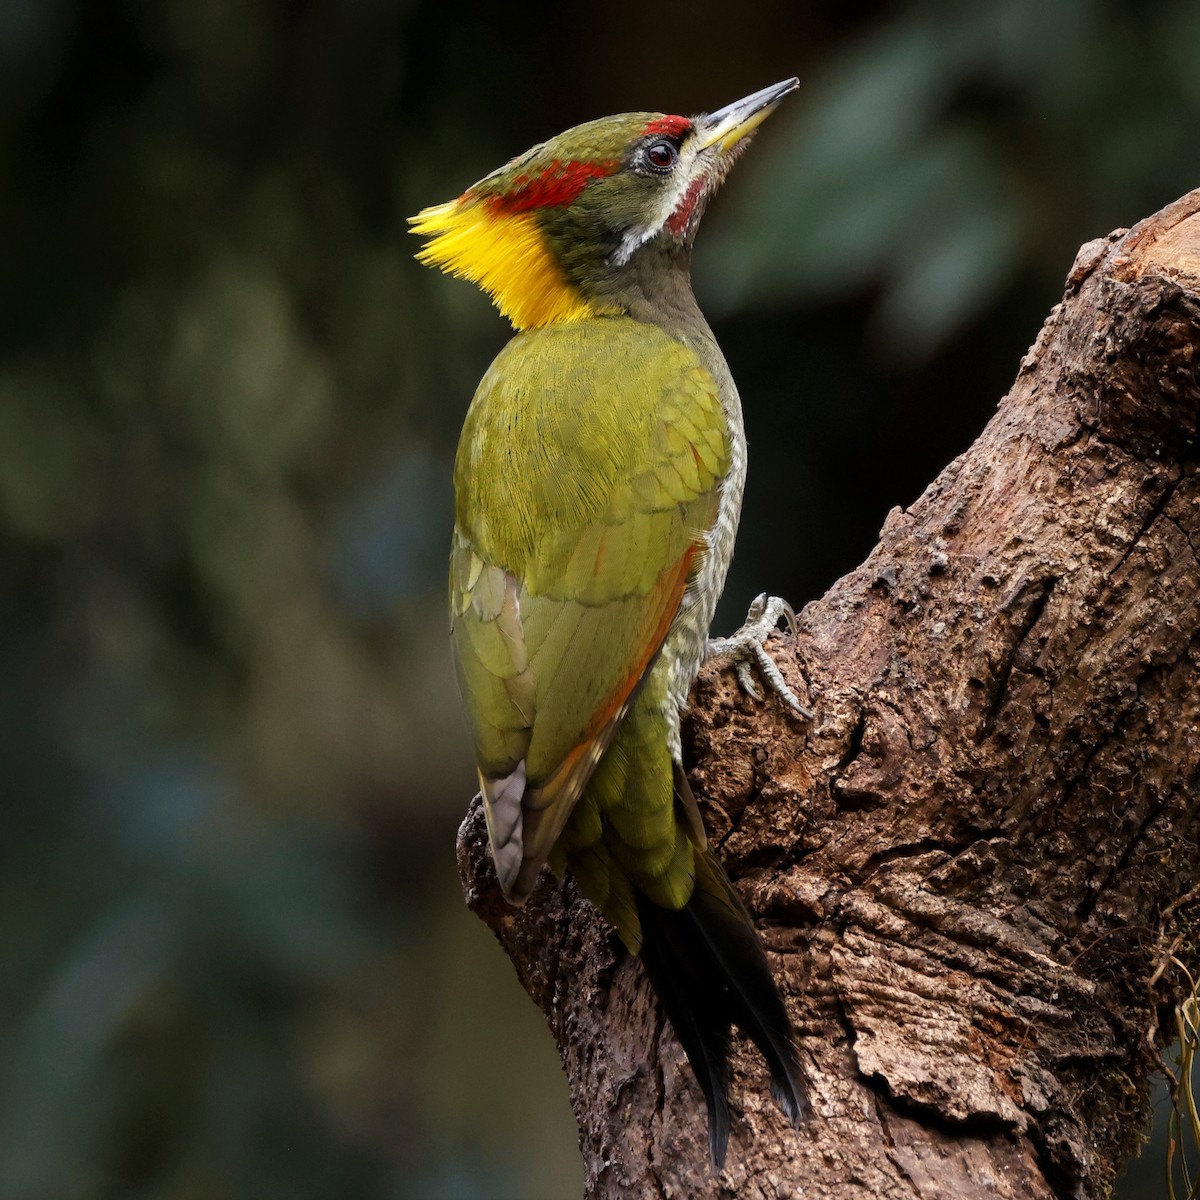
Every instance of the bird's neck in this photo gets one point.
(655, 287)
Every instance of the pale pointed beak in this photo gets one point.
(727, 126)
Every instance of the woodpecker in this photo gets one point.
(598, 486)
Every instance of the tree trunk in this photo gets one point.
(971, 864)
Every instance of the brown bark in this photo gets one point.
(971, 862)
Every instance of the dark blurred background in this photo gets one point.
(235, 959)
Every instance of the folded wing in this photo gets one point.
(583, 502)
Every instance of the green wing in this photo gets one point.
(587, 477)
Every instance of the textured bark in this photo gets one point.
(970, 865)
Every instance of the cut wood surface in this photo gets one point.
(971, 864)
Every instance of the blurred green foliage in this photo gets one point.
(236, 961)
(955, 147)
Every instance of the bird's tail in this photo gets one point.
(710, 971)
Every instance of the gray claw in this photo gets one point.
(742, 667)
(763, 616)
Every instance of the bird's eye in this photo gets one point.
(662, 155)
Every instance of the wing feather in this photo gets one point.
(581, 518)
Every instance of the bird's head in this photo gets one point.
(550, 235)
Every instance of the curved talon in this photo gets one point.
(793, 621)
(766, 611)
(762, 618)
(746, 680)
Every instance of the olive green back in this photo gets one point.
(587, 476)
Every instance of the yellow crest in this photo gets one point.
(506, 254)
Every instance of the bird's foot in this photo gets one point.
(747, 646)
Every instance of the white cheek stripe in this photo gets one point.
(639, 235)
(630, 242)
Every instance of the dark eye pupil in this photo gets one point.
(661, 154)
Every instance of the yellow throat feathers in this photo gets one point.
(505, 254)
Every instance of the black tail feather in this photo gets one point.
(696, 1010)
(710, 971)
(757, 1006)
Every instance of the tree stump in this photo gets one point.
(970, 866)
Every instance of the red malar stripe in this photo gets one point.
(560, 183)
(677, 221)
